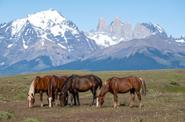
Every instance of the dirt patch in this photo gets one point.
(155, 109)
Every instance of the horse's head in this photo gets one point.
(63, 97)
(100, 101)
(103, 92)
(31, 100)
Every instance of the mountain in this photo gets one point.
(118, 31)
(44, 34)
(153, 52)
(46, 40)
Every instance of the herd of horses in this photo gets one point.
(67, 88)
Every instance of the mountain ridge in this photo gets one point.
(46, 40)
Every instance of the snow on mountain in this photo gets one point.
(47, 40)
(153, 52)
(44, 35)
(117, 31)
(159, 28)
(180, 40)
(50, 20)
(102, 39)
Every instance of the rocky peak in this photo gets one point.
(102, 27)
(116, 26)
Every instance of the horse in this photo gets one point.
(58, 83)
(76, 83)
(115, 85)
(49, 84)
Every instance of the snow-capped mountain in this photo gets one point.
(153, 52)
(46, 33)
(118, 31)
(47, 40)
(180, 40)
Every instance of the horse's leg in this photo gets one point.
(93, 90)
(41, 99)
(56, 97)
(66, 99)
(53, 98)
(139, 98)
(50, 98)
(77, 97)
(115, 100)
(71, 99)
(74, 98)
(132, 98)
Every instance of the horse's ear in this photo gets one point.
(37, 78)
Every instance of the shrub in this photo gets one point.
(6, 115)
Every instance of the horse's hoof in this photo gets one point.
(42, 105)
(141, 105)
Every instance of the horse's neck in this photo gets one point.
(67, 85)
(32, 88)
(104, 91)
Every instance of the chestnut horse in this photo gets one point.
(116, 85)
(50, 84)
(76, 83)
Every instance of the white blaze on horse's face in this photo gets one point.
(31, 100)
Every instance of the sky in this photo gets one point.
(170, 14)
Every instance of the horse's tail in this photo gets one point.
(98, 79)
(143, 85)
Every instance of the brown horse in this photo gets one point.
(76, 83)
(49, 84)
(58, 83)
(116, 85)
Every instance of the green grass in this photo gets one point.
(164, 100)
(16, 87)
(6, 115)
(31, 120)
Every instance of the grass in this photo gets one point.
(164, 101)
(31, 120)
(6, 115)
(160, 81)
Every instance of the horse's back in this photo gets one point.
(124, 84)
(44, 82)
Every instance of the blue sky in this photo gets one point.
(170, 14)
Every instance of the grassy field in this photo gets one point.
(164, 102)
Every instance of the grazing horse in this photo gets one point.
(49, 84)
(116, 85)
(76, 83)
(58, 83)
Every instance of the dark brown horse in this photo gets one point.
(50, 84)
(116, 85)
(76, 83)
(57, 85)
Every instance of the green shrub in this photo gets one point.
(5, 115)
(174, 83)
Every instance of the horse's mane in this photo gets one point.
(32, 86)
(69, 79)
(109, 80)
